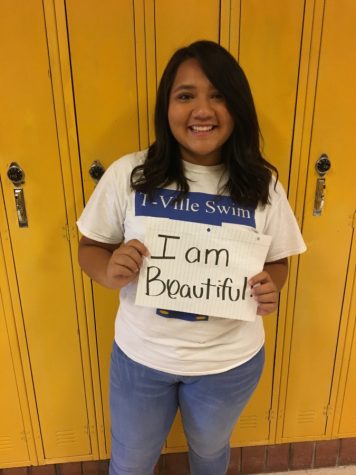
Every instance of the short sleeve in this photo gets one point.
(282, 225)
(103, 216)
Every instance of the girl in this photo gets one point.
(207, 147)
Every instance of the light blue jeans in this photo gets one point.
(144, 402)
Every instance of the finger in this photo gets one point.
(260, 278)
(126, 254)
(125, 268)
(267, 298)
(264, 289)
(139, 246)
(130, 262)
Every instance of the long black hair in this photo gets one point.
(249, 174)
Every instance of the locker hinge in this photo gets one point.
(66, 232)
(328, 411)
(4, 234)
(270, 415)
(25, 436)
(92, 430)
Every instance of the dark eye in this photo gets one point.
(184, 97)
(217, 96)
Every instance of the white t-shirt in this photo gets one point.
(175, 342)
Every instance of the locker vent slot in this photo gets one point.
(65, 437)
(305, 417)
(5, 443)
(248, 422)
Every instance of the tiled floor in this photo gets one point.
(343, 470)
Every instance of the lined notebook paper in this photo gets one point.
(201, 269)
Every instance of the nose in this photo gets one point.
(202, 109)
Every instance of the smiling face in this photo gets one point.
(198, 116)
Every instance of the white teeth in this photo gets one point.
(202, 128)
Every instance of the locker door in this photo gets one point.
(272, 70)
(269, 52)
(41, 251)
(323, 269)
(176, 23)
(13, 445)
(105, 77)
(109, 44)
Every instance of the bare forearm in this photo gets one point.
(111, 265)
(278, 271)
(94, 262)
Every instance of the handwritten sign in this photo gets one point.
(202, 269)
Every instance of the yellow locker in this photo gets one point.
(13, 446)
(15, 429)
(310, 375)
(272, 70)
(40, 252)
(104, 68)
(113, 47)
(178, 23)
(258, 34)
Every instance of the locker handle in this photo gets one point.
(319, 197)
(17, 176)
(20, 207)
(322, 166)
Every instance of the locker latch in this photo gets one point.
(96, 171)
(17, 176)
(322, 165)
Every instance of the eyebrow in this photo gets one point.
(183, 86)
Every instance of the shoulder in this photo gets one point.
(276, 191)
(277, 200)
(127, 163)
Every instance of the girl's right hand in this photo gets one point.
(125, 263)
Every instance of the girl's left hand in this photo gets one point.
(265, 292)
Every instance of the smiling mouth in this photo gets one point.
(202, 128)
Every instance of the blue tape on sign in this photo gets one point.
(190, 317)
